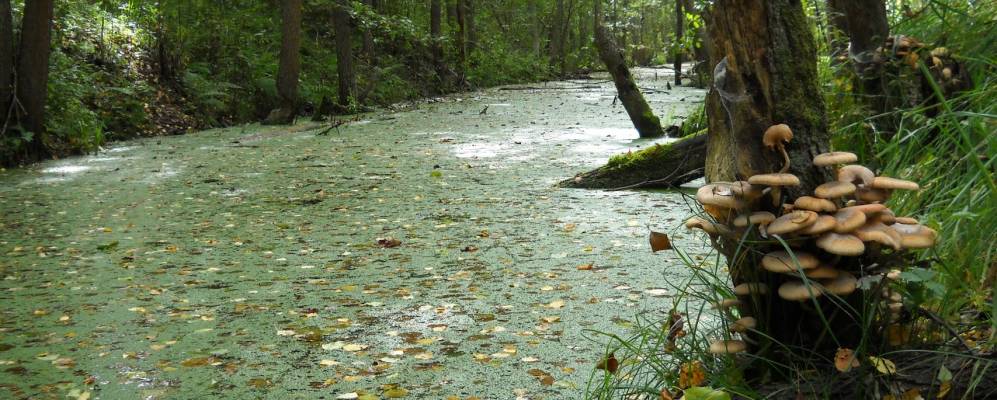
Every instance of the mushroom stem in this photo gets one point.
(776, 194)
(785, 156)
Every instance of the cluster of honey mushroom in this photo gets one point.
(844, 218)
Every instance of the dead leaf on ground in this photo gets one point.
(609, 364)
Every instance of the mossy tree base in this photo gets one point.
(666, 165)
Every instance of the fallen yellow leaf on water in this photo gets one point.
(555, 304)
(844, 360)
(659, 241)
(884, 366)
(586, 267)
(395, 393)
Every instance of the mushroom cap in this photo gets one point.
(718, 195)
(706, 226)
(871, 195)
(743, 324)
(776, 179)
(905, 220)
(798, 291)
(915, 236)
(814, 204)
(885, 182)
(834, 189)
(844, 245)
(823, 271)
(848, 219)
(782, 261)
(775, 135)
(835, 157)
(745, 189)
(868, 209)
(842, 285)
(756, 218)
(823, 224)
(880, 233)
(886, 216)
(747, 288)
(856, 173)
(728, 346)
(791, 222)
(728, 303)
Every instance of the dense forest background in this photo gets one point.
(139, 68)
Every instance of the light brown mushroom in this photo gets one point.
(799, 291)
(905, 220)
(868, 209)
(848, 219)
(835, 158)
(781, 261)
(728, 346)
(856, 174)
(747, 288)
(743, 324)
(880, 233)
(835, 189)
(775, 182)
(756, 218)
(718, 195)
(870, 195)
(844, 245)
(842, 285)
(775, 138)
(823, 271)
(823, 224)
(745, 190)
(706, 226)
(726, 304)
(814, 204)
(885, 182)
(794, 221)
(915, 236)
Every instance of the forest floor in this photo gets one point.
(422, 252)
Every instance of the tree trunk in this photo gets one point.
(679, 31)
(436, 35)
(640, 113)
(32, 68)
(344, 53)
(6, 60)
(865, 24)
(556, 46)
(668, 165)
(462, 30)
(472, 35)
(766, 73)
(290, 63)
(368, 36)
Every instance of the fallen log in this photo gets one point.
(661, 165)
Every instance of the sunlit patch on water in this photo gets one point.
(121, 149)
(66, 169)
(480, 150)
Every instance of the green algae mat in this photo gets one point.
(410, 254)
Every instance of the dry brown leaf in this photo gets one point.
(586, 267)
(659, 241)
(691, 374)
(609, 364)
(844, 360)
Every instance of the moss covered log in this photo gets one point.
(661, 165)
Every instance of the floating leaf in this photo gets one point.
(609, 364)
(659, 241)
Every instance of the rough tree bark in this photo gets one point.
(647, 124)
(368, 35)
(436, 35)
(556, 45)
(32, 69)
(865, 24)
(461, 38)
(472, 34)
(290, 63)
(679, 31)
(6, 60)
(344, 53)
(766, 73)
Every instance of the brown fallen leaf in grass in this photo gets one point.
(659, 241)
(691, 374)
(609, 364)
(844, 360)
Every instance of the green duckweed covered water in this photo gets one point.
(246, 263)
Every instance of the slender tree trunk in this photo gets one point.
(679, 31)
(557, 37)
(32, 68)
(344, 53)
(290, 63)
(368, 36)
(766, 73)
(436, 35)
(6, 60)
(535, 27)
(643, 118)
(472, 35)
(865, 24)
